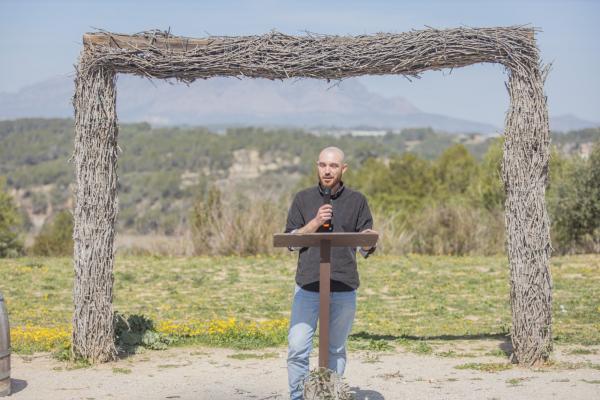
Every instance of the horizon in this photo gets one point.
(566, 39)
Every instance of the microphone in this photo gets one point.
(327, 200)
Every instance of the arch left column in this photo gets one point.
(96, 208)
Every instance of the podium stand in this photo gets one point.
(325, 241)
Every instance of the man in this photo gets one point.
(349, 212)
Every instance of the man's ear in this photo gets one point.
(344, 168)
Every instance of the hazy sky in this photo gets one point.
(42, 39)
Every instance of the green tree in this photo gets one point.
(10, 224)
(400, 185)
(411, 184)
(56, 236)
(575, 204)
(372, 178)
(488, 190)
(455, 170)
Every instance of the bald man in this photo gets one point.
(349, 212)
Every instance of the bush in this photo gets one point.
(456, 169)
(237, 226)
(488, 190)
(574, 204)
(11, 244)
(56, 236)
(137, 330)
(458, 229)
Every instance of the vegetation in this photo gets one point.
(487, 367)
(574, 200)
(154, 194)
(56, 236)
(430, 192)
(453, 205)
(133, 331)
(241, 225)
(411, 301)
(450, 205)
(10, 224)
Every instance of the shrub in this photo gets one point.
(137, 330)
(458, 229)
(10, 224)
(574, 204)
(237, 226)
(56, 236)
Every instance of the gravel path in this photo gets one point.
(219, 374)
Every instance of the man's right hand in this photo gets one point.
(324, 214)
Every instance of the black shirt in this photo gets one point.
(350, 214)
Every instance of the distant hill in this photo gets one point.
(302, 103)
(569, 122)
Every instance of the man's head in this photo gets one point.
(331, 166)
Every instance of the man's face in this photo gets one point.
(330, 167)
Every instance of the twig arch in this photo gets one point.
(157, 54)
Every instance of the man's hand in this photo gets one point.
(369, 231)
(324, 213)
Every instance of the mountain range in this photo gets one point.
(305, 103)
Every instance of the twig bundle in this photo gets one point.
(156, 54)
(276, 55)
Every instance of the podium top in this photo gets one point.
(337, 239)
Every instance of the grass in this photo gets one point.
(594, 381)
(421, 348)
(232, 333)
(517, 381)
(371, 358)
(448, 353)
(486, 367)
(581, 350)
(391, 375)
(567, 365)
(407, 300)
(248, 356)
(497, 353)
(454, 354)
(166, 366)
(370, 345)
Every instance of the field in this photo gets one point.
(417, 301)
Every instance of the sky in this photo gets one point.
(42, 39)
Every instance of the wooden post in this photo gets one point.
(324, 290)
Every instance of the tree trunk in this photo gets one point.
(95, 157)
(525, 174)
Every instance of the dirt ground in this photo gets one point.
(219, 374)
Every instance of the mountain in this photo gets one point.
(569, 122)
(47, 99)
(229, 101)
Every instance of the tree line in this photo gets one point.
(430, 192)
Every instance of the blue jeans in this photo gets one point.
(303, 323)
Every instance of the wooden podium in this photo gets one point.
(325, 241)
